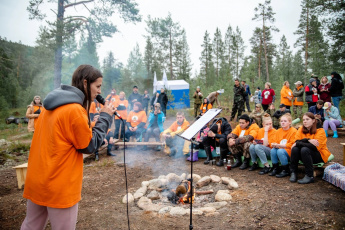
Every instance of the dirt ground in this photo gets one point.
(259, 202)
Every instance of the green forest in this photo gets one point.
(71, 40)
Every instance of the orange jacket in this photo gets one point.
(95, 107)
(205, 107)
(271, 135)
(252, 130)
(287, 136)
(284, 94)
(122, 113)
(112, 99)
(135, 118)
(321, 137)
(176, 129)
(58, 135)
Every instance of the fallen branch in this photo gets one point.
(204, 192)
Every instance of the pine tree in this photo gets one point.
(206, 69)
(238, 51)
(182, 61)
(256, 43)
(283, 68)
(228, 53)
(218, 51)
(265, 13)
(149, 58)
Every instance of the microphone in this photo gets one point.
(101, 100)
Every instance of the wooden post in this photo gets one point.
(21, 174)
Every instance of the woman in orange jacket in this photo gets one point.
(55, 168)
(286, 95)
(310, 147)
(33, 111)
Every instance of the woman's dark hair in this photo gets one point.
(90, 74)
(313, 128)
(139, 106)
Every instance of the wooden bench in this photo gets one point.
(21, 174)
(343, 144)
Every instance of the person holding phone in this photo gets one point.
(33, 112)
(261, 146)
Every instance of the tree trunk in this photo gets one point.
(259, 70)
(58, 39)
(265, 47)
(306, 49)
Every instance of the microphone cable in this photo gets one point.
(124, 164)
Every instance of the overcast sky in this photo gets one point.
(196, 16)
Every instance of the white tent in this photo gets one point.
(179, 89)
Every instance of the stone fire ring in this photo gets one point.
(149, 198)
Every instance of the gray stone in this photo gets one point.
(146, 204)
(215, 179)
(130, 198)
(225, 180)
(153, 195)
(203, 181)
(196, 178)
(207, 210)
(140, 192)
(162, 177)
(216, 205)
(172, 177)
(223, 195)
(164, 210)
(197, 212)
(232, 184)
(157, 183)
(145, 184)
(183, 176)
(178, 211)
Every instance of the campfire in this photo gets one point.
(183, 194)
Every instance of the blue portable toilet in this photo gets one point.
(179, 89)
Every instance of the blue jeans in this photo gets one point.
(281, 155)
(336, 101)
(260, 151)
(137, 133)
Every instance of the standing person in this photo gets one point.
(206, 105)
(238, 105)
(337, 86)
(247, 94)
(281, 147)
(316, 79)
(154, 100)
(136, 122)
(311, 95)
(55, 168)
(112, 97)
(146, 101)
(163, 101)
(261, 146)
(176, 145)
(323, 88)
(257, 96)
(217, 136)
(95, 107)
(155, 127)
(256, 115)
(278, 114)
(286, 95)
(299, 101)
(268, 96)
(121, 108)
(332, 119)
(240, 139)
(134, 97)
(213, 97)
(197, 100)
(33, 111)
(310, 147)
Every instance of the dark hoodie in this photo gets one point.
(337, 86)
(66, 94)
(225, 128)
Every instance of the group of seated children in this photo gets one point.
(307, 144)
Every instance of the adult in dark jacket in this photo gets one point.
(146, 101)
(163, 101)
(246, 95)
(277, 115)
(197, 101)
(134, 97)
(219, 130)
(318, 110)
(311, 93)
(336, 89)
(238, 106)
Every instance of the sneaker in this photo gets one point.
(111, 154)
(254, 166)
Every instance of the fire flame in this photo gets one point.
(187, 198)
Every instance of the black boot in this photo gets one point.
(254, 166)
(275, 170)
(208, 154)
(293, 177)
(285, 172)
(238, 161)
(265, 170)
(245, 164)
(223, 154)
(306, 180)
